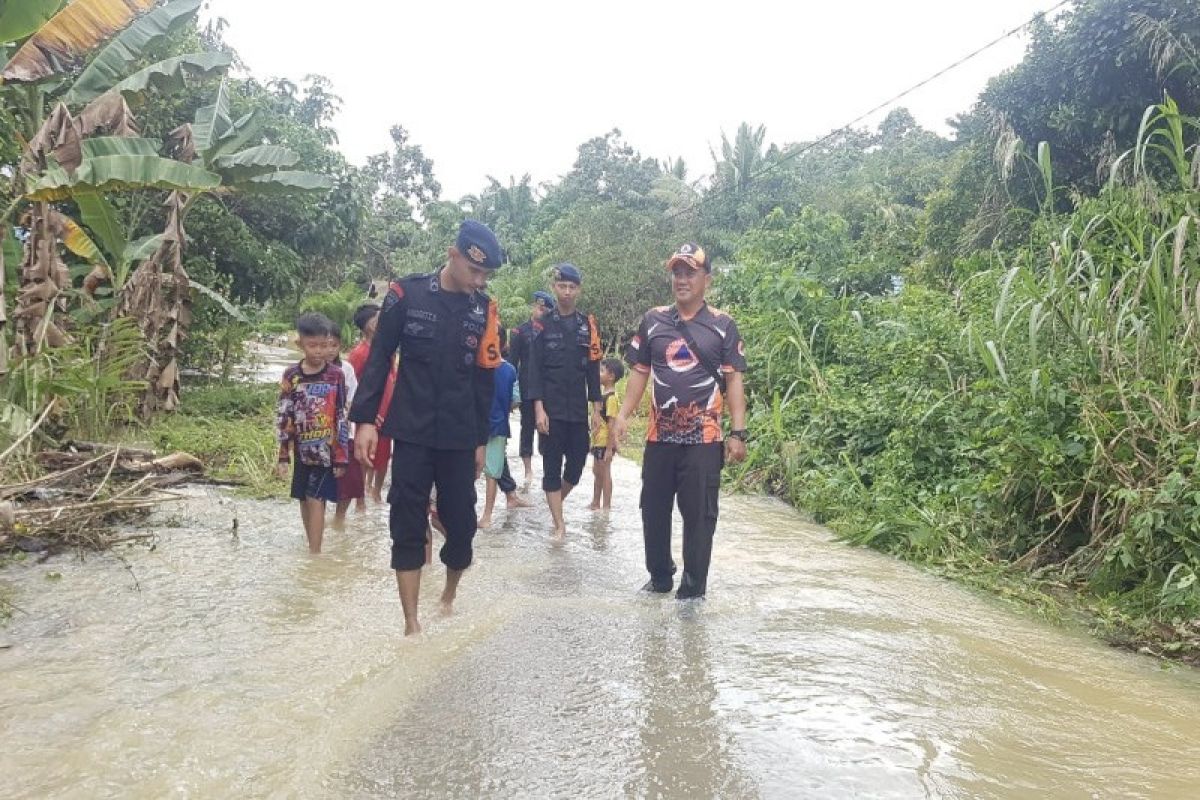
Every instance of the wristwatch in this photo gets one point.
(740, 435)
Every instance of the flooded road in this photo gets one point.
(238, 666)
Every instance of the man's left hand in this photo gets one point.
(735, 451)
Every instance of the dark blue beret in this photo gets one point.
(546, 298)
(480, 246)
(568, 272)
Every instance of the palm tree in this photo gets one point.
(740, 160)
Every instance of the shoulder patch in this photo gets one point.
(395, 294)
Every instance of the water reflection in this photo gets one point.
(685, 746)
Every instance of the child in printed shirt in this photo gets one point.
(311, 425)
(611, 371)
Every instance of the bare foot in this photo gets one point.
(594, 507)
(338, 524)
(484, 523)
(360, 507)
(516, 502)
(559, 533)
(412, 628)
(446, 604)
(377, 495)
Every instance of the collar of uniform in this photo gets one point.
(676, 318)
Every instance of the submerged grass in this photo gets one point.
(228, 426)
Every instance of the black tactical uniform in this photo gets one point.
(564, 374)
(449, 349)
(520, 355)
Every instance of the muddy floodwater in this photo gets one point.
(222, 665)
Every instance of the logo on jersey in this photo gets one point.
(679, 356)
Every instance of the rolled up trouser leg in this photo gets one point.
(408, 518)
(454, 475)
(528, 426)
(575, 451)
(505, 481)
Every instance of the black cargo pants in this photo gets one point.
(688, 475)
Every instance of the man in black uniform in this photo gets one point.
(520, 346)
(564, 376)
(447, 332)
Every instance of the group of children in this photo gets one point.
(313, 430)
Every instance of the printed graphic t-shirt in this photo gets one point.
(687, 402)
(312, 417)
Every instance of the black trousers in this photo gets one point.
(528, 428)
(506, 482)
(567, 442)
(690, 475)
(415, 470)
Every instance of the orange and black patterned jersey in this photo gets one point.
(687, 402)
(449, 345)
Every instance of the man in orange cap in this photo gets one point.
(695, 357)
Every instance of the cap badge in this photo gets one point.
(476, 254)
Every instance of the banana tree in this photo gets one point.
(51, 41)
(70, 162)
(156, 294)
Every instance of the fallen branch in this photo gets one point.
(20, 439)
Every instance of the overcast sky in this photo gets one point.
(504, 88)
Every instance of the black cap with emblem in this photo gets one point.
(479, 245)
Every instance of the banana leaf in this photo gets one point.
(143, 248)
(285, 182)
(246, 131)
(112, 64)
(220, 300)
(120, 146)
(212, 122)
(79, 243)
(252, 162)
(169, 75)
(69, 36)
(19, 18)
(115, 173)
(101, 218)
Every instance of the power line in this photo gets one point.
(793, 154)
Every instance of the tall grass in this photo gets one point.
(1043, 414)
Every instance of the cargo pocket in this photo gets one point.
(712, 496)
